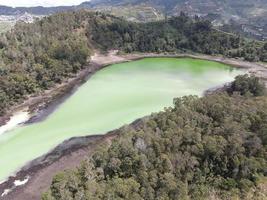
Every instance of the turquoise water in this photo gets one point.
(114, 96)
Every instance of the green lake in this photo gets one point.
(113, 97)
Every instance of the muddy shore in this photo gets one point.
(40, 171)
(71, 152)
(65, 156)
(41, 105)
(38, 102)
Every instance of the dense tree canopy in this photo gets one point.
(202, 147)
(33, 57)
(247, 85)
(214, 147)
(177, 34)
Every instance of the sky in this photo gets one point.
(47, 3)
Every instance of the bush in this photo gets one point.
(247, 85)
(186, 153)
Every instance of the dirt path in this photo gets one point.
(72, 153)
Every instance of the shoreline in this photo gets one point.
(15, 120)
(65, 156)
(70, 147)
(42, 105)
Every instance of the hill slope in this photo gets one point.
(248, 9)
(245, 8)
(249, 17)
(34, 57)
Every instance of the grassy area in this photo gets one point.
(5, 26)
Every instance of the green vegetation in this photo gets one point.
(248, 86)
(138, 13)
(34, 57)
(177, 34)
(5, 26)
(135, 89)
(213, 147)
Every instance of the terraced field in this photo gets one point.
(139, 13)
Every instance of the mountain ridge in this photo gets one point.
(36, 10)
(248, 18)
(166, 6)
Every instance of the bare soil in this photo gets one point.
(42, 171)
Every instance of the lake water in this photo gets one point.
(113, 97)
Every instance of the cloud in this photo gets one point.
(46, 3)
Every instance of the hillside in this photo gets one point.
(39, 10)
(5, 26)
(212, 147)
(227, 9)
(35, 57)
(248, 17)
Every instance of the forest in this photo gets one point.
(213, 147)
(34, 57)
(202, 147)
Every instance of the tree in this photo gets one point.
(247, 85)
